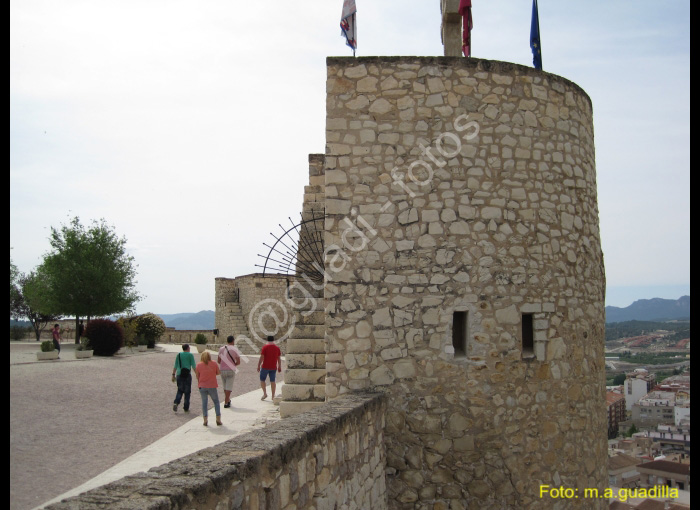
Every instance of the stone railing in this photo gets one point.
(186, 336)
(171, 335)
(330, 457)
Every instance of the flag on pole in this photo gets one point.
(465, 10)
(348, 24)
(535, 43)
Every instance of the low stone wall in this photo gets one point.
(186, 336)
(330, 457)
(67, 327)
(171, 336)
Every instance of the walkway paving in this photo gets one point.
(247, 413)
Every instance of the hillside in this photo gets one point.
(650, 310)
(199, 320)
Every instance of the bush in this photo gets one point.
(47, 346)
(106, 336)
(84, 345)
(200, 339)
(19, 332)
(151, 326)
(130, 328)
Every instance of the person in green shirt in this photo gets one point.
(182, 374)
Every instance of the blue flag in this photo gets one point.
(535, 43)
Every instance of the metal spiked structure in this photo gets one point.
(298, 249)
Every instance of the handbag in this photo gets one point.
(184, 372)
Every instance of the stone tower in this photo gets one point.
(465, 276)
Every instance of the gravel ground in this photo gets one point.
(72, 419)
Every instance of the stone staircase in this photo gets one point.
(236, 325)
(304, 380)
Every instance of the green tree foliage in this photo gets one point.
(15, 293)
(619, 379)
(627, 329)
(632, 430)
(654, 358)
(33, 301)
(90, 272)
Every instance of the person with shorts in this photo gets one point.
(229, 359)
(269, 364)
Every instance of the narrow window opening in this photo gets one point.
(459, 333)
(528, 335)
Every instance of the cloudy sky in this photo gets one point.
(187, 125)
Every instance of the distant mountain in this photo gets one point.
(199, 320)
(650, 310)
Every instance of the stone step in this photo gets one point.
(308, 331)
(306, 345)
(306, 361)
(305, 376)
(301, 290)
(313, 318)
(304, 392)
(317, 180)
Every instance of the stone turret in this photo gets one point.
(468, 279)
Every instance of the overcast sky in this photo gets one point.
(187, 125)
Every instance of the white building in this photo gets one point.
(637, 384)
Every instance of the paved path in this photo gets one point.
(73, 419)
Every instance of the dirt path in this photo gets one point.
(71, 420)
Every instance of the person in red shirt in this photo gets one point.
(269, 364)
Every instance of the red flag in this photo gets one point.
(465, 10)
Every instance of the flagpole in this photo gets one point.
(535, 40)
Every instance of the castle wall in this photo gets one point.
(265, 306)
(465, 189)
(225, 291)
(261, 306)
(309, 256)
(330, 457)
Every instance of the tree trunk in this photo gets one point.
(77, 328)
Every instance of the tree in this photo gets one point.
(619, 379)
(15, 294)
(90, 272)
(33, 302)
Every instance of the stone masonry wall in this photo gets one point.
(171, 335)
(330, 457)
(468, 186)
(225, 291)
(186, 336)
(263, 304)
